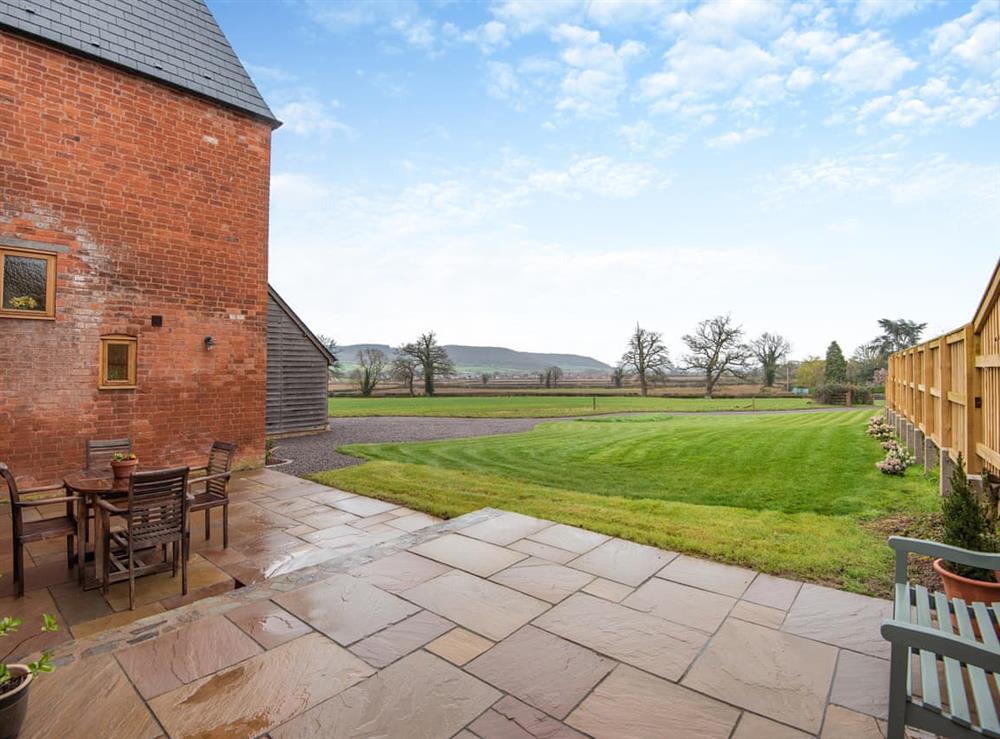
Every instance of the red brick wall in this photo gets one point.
(162, 200)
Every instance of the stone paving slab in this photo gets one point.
(345, 608)
(650, 643)
(506, 528)
(419, 697)
(846, 620)
(623, 561)
(511, 719)
(570, 538)
(708, 575)
(543, 579)
(778, 675)
(634, 705)
(479, 605)
(681, 604)
(478, 557)
(542, 670)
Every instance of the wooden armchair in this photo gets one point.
(45, 528)
(155, 514)
(949, 637)
(211, 490)
(100, 452)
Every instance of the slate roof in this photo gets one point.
(173, 41)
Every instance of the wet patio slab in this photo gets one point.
(488, 626)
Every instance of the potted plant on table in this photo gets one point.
(123, 465)
(966, 525)
(16, 679)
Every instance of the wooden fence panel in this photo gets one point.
(949, 387)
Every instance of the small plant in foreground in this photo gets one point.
(10, 625)
(124, 457)
(966, 524)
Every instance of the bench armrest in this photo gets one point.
(47, 501)
(113, 509)
(902, 545)
(942, 644)
(41, 489)
(206, 478)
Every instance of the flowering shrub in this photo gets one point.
(896, 460)
(879, 428)
(890, 445)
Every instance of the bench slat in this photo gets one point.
(930, 690)
(981, 694)
(958, 704)
(903, 612)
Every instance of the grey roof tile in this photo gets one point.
(175, 41)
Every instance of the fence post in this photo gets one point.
(973, 414)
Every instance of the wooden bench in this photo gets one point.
(923, 625)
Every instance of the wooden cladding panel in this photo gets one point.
(297, 376)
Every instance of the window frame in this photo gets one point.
(132, 342)
(49, 313)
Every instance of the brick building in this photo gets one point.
(134, 175)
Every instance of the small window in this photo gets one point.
(27, 284)
(118, 362)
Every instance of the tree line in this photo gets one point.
(717, 347)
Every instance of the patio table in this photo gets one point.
(90, 485)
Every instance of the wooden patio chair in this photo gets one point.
(155, 514)
(949, 637)
(214, 487)
(46, 528)
(100, 452)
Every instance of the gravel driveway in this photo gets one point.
(318, 452)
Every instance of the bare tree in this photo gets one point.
(770, 349)
(371, 365)
(716, 348)
(552, 376)
(432, 357)
(617, 376)
(646, 355)
(405, 369)
(486, 377)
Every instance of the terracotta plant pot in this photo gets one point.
(956, 586)
(124, 469)
(14, 703)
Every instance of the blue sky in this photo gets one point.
(540, 175)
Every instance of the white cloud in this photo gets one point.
(625, 12)
(801, 78)
(735, 138)
(973, 39)
(936, 179)
(873, 65)
(274, 74)
(643, 137)
(502, 82)
(694, 73)
(526, 16)
(596, 175)
(885, 11)
(726, 19)
(307, 116)
(596, 76)
(934, 103)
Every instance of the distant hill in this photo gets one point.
(494, 359)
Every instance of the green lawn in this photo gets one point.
(786, 494)
(520, 406)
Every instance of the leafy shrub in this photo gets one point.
(966, 524)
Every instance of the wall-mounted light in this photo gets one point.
(209, 343)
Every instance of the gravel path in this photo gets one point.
(317, 452)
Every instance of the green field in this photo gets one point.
(788, 494)
(520, 406)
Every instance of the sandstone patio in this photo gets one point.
(392, 624)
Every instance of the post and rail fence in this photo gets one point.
(943, 396)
